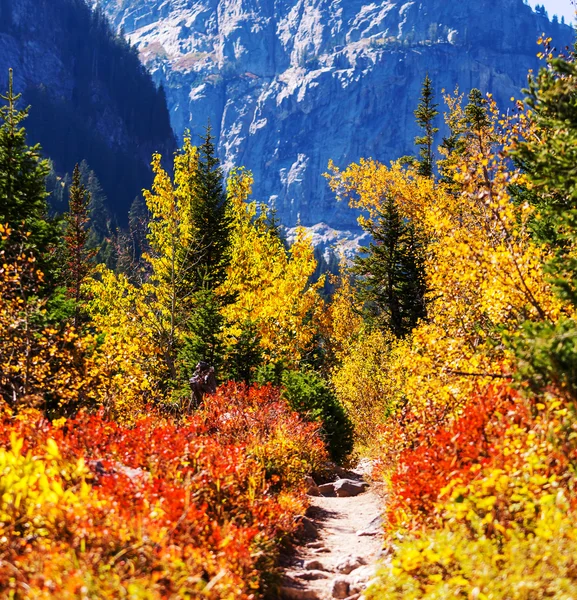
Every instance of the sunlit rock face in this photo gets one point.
(289, 84)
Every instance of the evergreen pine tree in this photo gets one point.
(23, 205)
(212, 225)
(425, 114)
(244, 356)
(547, 351)
(203, 340)
(476, 117)
(392, 284)
(274, 225)
(210, 216)
(78, 255)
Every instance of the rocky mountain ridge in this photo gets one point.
(289, 84)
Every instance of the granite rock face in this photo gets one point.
(289, 84)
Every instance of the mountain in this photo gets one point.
(91, 98)
(289, 84)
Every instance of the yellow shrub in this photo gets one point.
(368, 381)
(452, 563)
(36, 490)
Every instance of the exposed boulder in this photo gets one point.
(345, 488)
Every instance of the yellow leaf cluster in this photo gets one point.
(271, 285)
(38, 360)
(484, 273)
(35, 490)
(127, 356)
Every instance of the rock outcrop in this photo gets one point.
(289, 84)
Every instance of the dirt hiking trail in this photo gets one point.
(345, 531)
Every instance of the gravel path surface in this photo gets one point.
(342, 558)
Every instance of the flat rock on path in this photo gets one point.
(345, 557)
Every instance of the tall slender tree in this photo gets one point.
(211, 222)
(476, 119)
(23, 172)
(210, 215)
(78, 255)
(425, 114)
(392, 284)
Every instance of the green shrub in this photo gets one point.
(311, 396)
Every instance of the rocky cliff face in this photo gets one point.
(91, 98)
(289, 84)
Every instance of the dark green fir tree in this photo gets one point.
(425, 114)
(210, 216)
(23, 204)
(203, 340)
(244, 355)
(392, 284)
(212, 223)
(477, 120)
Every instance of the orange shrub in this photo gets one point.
(436, 453)
(91, 508)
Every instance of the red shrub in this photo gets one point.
(174, 508)
(439, 453)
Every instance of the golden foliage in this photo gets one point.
(43, 364)
(270, 285)
(483, 271)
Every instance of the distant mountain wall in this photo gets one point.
(289, 84)
(91, 98)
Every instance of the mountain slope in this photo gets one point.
(289, 84)
(91, 97)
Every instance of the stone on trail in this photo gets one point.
(346, 488)
(340, 588)
(312, 488)
(360, 579)
(313, 565)
(350, 564)
(327, 489)
(310, 575)
(297, 593)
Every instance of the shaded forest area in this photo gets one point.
(108, 111)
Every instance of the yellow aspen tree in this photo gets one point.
(142, 326)
(271, 286)
(128, 355)
(174, 245)
(484, 273)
